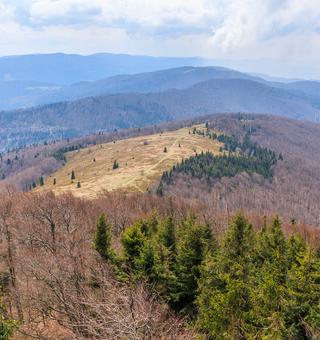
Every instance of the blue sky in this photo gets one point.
(280, 37)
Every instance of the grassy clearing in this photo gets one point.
(141, 160)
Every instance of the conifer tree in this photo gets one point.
(302, 306)
(224, 288)
(102, 239)
(167, 234)
(164, 254)
(296, 246)
(269, 281)
(134, 242)
(73, 175)
(194, 242)
(41, 181)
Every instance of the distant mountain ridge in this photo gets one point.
(17, 94)
(189, 98)
(63, 68)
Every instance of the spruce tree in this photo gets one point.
(134, 242)
(167, 234)
(269, 281)
(73, 175)
(224, 287)
(41, 181)
(164, 254)
(302, 307)
(102, 239)
(193, 244)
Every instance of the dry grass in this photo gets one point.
(142, 161)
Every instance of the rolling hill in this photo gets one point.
(125, 110)
(63, 68)
(17, 94)
(141, 161)
(293, 192)
(20, 94)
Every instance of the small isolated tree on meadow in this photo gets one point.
(54, 181)
(41, 181)
(115, 165)
(165, 149)
(78, 184)
(73, 175)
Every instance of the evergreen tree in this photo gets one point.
(134, 242)
(224, 289)
(78, 184)
(296, 246)
(167, 234)
(193, 244)
(73, 175)
(302, 306)
(115, 165)
(41, 181)
(269, 282)
(164, 254)
(102, 239)
(165, 149)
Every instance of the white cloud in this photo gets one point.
(246, 29)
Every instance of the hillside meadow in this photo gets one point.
(140, 162)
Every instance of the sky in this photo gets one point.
(279, 37)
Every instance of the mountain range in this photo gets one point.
(147, 98)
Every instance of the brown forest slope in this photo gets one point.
(294, 192)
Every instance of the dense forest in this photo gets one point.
(238, 156)
(140, 266)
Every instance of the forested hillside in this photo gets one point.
(289, 187)
(151, 98)
(293, 190)
(139, 267)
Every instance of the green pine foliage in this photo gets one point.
(102, 238)
(73, 175)
(245, 156)
(193, 244)
(224, 295)
(247, 285)
(41, 181)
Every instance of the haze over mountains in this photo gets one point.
(133, 100)
(32, 80)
